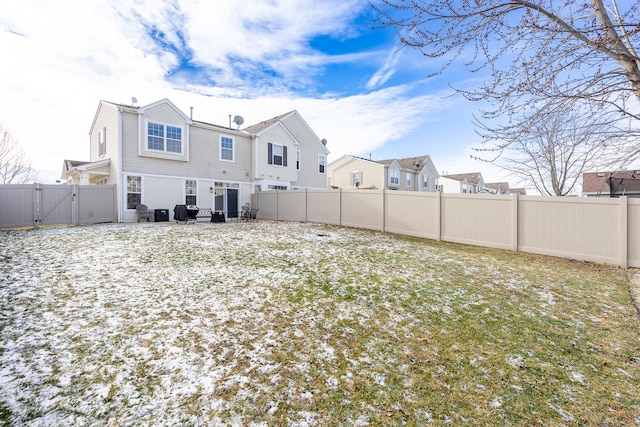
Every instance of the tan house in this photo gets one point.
(410, 174)
(497, 188)
(466, 183)
(158, 156)
(611, 184)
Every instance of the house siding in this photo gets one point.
(276, 135)
(107, 117)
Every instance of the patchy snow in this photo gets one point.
(249, 324)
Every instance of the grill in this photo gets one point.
(185, 213)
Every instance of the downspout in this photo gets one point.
(120, 177)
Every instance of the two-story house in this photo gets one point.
(158, 156)
(410, 174)
(467, 183)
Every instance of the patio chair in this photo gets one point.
(253, 213)
(143, 212)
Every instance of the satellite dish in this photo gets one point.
(324, 141)
(134, 100)
(238, 120)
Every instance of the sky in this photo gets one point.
(354, 84)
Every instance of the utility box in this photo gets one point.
(161, 215)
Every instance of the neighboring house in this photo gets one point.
(158, 156)
(611, 184)
(467, 183)
(496, 188)
(410, 174)
(521, 191)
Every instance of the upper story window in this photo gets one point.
(162, 137)
(425, 181)
(297, 160)
(277, 154)
(394, 177)
(409, 180)
(322, 161)
(102, 142)
(355, 178)
(226, 148)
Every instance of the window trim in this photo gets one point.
(394, 177)
(322, 164)
(131, 192)
(166, 140)
(271, 156)
(233, 148)
(355, 178)
(187, 192)
(102, 142)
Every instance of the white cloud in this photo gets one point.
(387, 70)
(64, 57)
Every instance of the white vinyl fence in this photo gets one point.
(587, 229)
(33, 205)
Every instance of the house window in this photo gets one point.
(321, 163)
(297, 160)
(425, 181)
(277, 154)
(134, 191)
(102, 181)
(102, 142)
(164, 138)
(394, 178)
(355, 178)
(190, 191)
(226, 148)
(277, 187)
(408, 181)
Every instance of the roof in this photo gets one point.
(472, 178)
(71, 164)
(502, 186)
(520, 190)
(265, 124)
(623, 182)
(412, 163)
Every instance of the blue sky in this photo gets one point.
(354, 84)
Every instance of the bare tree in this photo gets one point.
(15, 168)
(543, 56)
(552, 151)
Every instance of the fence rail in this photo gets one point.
(34, 205)
(587, 229)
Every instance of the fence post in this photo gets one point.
(439, 216)
(623, 230)
(514, 222)
(75, 205)
(37, 202)
(340, 206)
(306, 206)
(384, 210)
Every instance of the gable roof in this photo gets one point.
(472, 178)
(259, 127)
(623, 182)
(501, 186)
(411, 163)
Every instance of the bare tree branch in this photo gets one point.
(15, 168)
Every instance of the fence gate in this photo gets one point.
(33, 205)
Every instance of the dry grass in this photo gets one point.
(298, 324)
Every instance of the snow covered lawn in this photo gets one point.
(298, 324)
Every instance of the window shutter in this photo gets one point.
(270, 154)
(284, 155)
